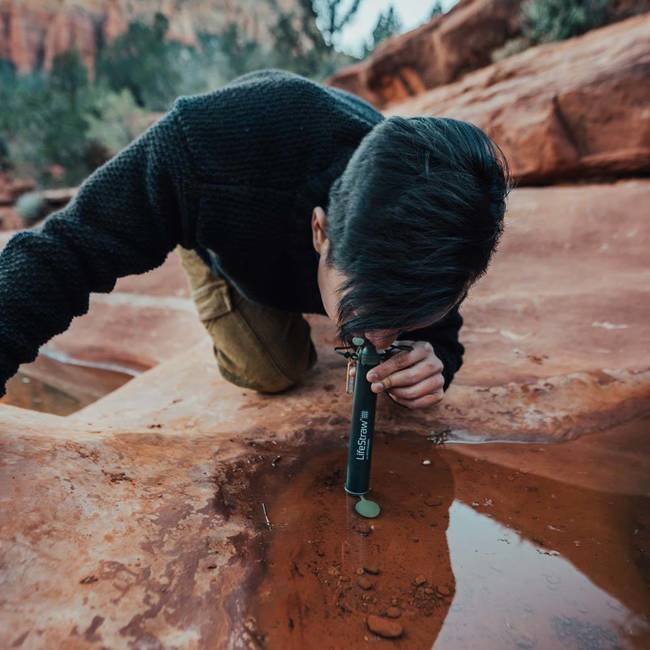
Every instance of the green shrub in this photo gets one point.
(143, 62)
(42, 117)
(556, 20)
(115, 121)
(64, 118)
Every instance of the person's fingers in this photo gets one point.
(427, 367)
(403, 359)
(426, 387)
(421, 402)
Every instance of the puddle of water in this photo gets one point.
(466, 554)
(61, 385)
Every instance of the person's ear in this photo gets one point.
(318, 224)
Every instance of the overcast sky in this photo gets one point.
(411, 12)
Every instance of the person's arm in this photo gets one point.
(126, 217)
(443, 336)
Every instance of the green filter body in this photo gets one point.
(363, 424)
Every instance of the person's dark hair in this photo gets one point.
(414, 220)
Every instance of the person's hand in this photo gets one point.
(412, 378)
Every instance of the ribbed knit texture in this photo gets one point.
(233, 173)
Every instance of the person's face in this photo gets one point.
(330, 281)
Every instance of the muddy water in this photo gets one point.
(468, 552)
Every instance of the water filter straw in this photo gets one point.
(363, 421)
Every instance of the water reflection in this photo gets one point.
(471, 549)
(511, 593)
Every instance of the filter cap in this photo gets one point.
(367, 508)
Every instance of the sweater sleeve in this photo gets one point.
(443, 335)
(125, 218)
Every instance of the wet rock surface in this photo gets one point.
(125, 333)
(139, 519)
(144, 509)
(506, 546)
(244, 551)
(384, 627)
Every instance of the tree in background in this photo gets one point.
(304, 40)
(43, 116)
(144, 62)
(332, 16)
(388, 24)
(436, 9)
(556, 20)
(67, 120)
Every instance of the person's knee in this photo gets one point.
(264, 385)
(265, 377)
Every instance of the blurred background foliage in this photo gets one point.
(57, 127)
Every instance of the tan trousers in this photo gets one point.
(256, 347)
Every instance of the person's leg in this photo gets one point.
(256, 347)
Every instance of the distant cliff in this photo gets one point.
(34, 32)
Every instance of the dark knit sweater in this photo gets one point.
(234, 174)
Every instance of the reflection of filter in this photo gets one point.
(363, 421)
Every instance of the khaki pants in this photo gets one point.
(257, 347)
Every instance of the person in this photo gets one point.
(283, 197)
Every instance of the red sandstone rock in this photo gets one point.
(10, 220)
(35, 29)
(11, 188)
(436, 53)
(383, 627)
(575, 109)
(568, 287)
(553, 348)
(69, 30)
(147, 319)
(372, 569)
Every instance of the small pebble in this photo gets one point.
(373, 569)
(383, 627)
(365, 583)
(363, 528)
(443, 590)
(426, 462)
(359, 571)
(428, 591)
(393, 612)
(433, 502)
(420, 580)
(394, 601)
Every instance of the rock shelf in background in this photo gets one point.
(561, 111)
(436, 53)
